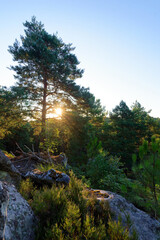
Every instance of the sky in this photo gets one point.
(117, 43)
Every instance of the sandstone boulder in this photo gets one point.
(17, 220)
(146, 227)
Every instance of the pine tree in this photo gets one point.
(123, 134)
(46, 71)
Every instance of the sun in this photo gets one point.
(58, 112)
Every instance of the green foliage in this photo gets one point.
(50, 205)
(9, 155)
(142, 121)
(48, 145)
(147, 172)
(54, 233)
(93, 232)
(123, 132)
(46, 167)
(116, 231)
(11, 112)
(63, 213)
(94, 147)
(75, 189)
(46, 71)
(72, 222)
(105, 172)
(140, 196)
(70, 213)
(23, 135)
(27, 189)
(77, 138)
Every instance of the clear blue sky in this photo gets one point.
(117, 43)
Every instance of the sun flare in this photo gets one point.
(58, 112)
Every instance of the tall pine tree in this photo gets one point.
(46, 71)
(123, 134)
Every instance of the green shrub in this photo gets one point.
(50, 205)
(93, 232)
(46, 167)
(142, 197)
(54, 233)
(70, 213)
(75, 189)
(27, 189)
(116, 231)
(72, 222)
(105, 172)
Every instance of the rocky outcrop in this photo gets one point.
(146, 227)
(49, 177)
(3, 209)
(13, 171)
(17, 220)
(7, 170)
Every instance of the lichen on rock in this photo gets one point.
(16, 216)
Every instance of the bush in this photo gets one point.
(50, 205)
(69, 213)
(46, 167)
(105, 172)
(116, 231)
(27, 189)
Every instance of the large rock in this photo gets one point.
(7, 170)
(17, 220)
(146, 227)
(49, 177)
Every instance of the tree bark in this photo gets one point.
(44, 111)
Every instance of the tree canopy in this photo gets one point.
(46, 71)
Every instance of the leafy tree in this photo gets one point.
(46, 71)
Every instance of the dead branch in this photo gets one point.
(34, 155)
(12, 153)
(20, 148)
(22, 159)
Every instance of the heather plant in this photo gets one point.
(46, 167)
(27, 189)
(71, 213)
(50, 205)
(116, 231)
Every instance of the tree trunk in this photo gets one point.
(44, 110)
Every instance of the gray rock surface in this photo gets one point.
(147, 228)
(17, 220)
(6, 166)
(4, 199)
(49, 177)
